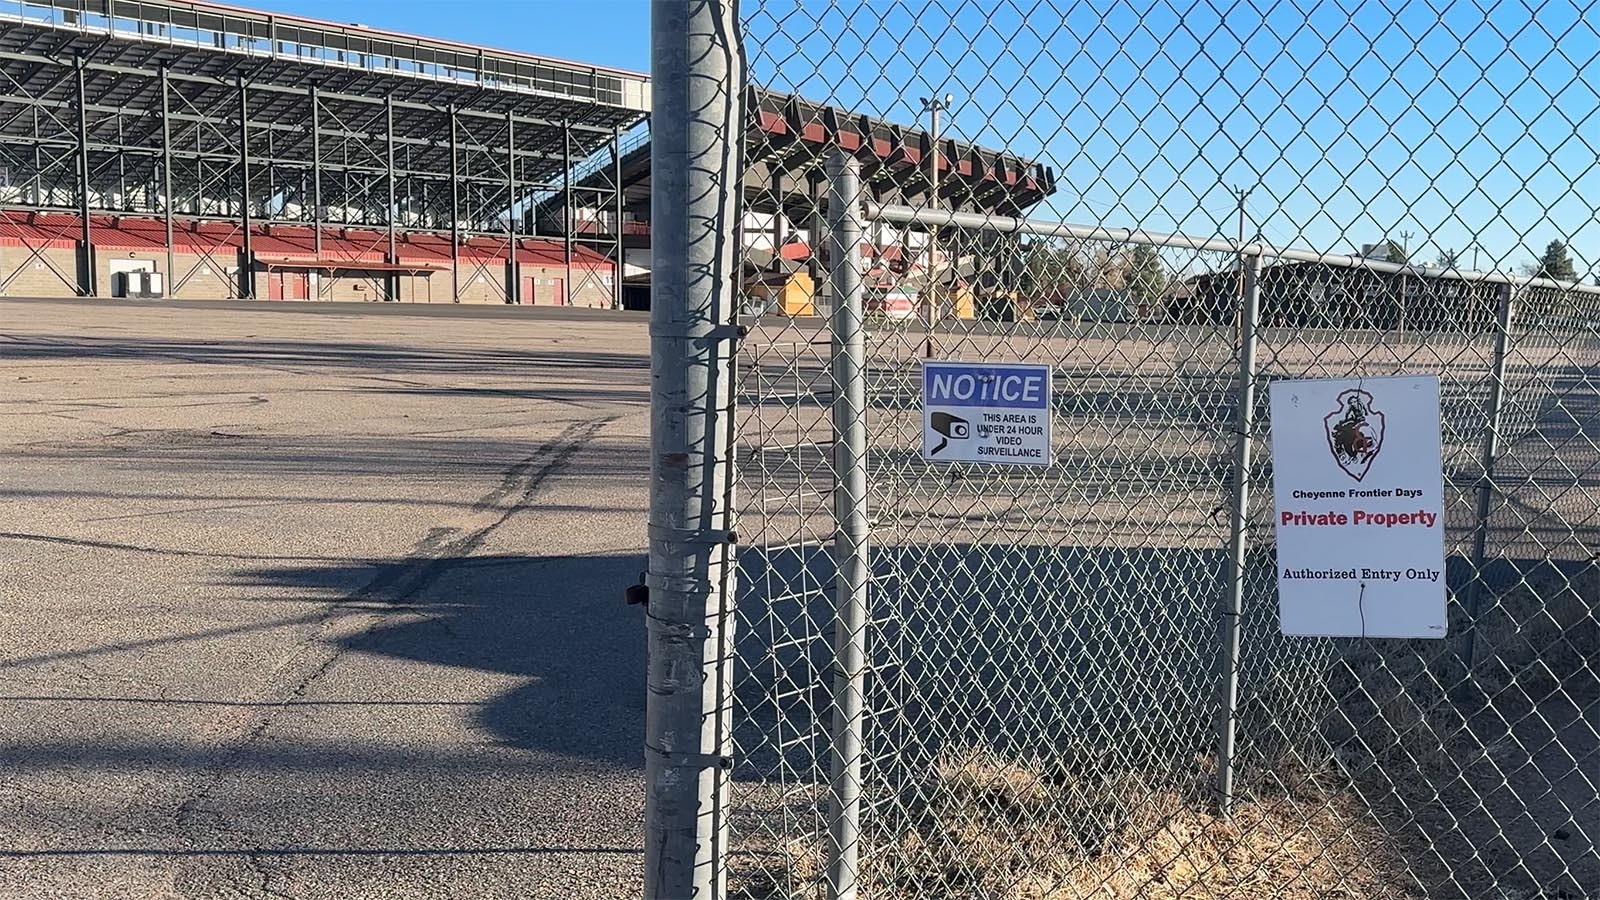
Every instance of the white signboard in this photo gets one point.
(986, 413)
(1358, 480)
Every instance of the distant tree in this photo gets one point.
(1049, 266)
(1556, 263)
(1397, 253)
(1448, 259)
(1107, 267)
(1146, 275)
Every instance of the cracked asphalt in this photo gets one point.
(320, 600)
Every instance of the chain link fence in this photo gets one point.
(981, 681)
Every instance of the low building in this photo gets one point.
(789, 292)
(1321, 295)
(1092, 305)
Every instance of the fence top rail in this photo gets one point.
(1041, 228)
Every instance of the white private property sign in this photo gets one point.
(986, 413)
(1359, 488)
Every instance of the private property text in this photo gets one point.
(1359, 517)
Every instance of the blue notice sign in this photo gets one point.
(986, 412)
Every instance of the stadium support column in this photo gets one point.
(616, 184)
(393, 281)
(818, 228)
(779, 221)
(166, 173)
(566, 204)
(455, 210)
(86, 274)
(513, 272)
(316, 172)
(247, 260)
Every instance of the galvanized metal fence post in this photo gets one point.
(697, 115)
(1491, 450)
(1244, 425)
(850, 524)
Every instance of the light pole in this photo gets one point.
(933, 107)
(1405, 251)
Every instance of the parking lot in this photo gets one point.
(320, 600)
(325, 600)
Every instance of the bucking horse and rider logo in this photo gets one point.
(1355, 432)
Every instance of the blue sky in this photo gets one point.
(603, 32)
(1459, 122)
(1464, 122)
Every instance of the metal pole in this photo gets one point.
(850, 529)
(272, 177)
(393, 210)
(1243, 194)
(513, 272)
(88, 279)
(566, 206)
(247, 274)
(122, 201)
(1491, 450)
(38, 163)
(779, 221)
(698, 93)
(1244, 418)
(455, 211)
(316, 172)
(622, 251)
(933, 233)
(816, 229)
(1400, 313)
(166, 173)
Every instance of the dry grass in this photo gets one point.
(1002, 830)
(983, 828)
(1320, 848)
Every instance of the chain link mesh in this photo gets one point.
(1044, 680)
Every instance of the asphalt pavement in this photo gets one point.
(305, 600)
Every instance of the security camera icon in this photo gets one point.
(950, 428)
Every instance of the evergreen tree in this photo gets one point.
(1557, 262)
(1147, 275)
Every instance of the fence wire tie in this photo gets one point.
(721, 331)
(659, 531)
(679, 583)
(692, 760)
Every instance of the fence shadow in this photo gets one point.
(318, 355)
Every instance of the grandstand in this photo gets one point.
(236, 153)
(187, 149)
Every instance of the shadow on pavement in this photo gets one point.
(478, 362)
(558, 621)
